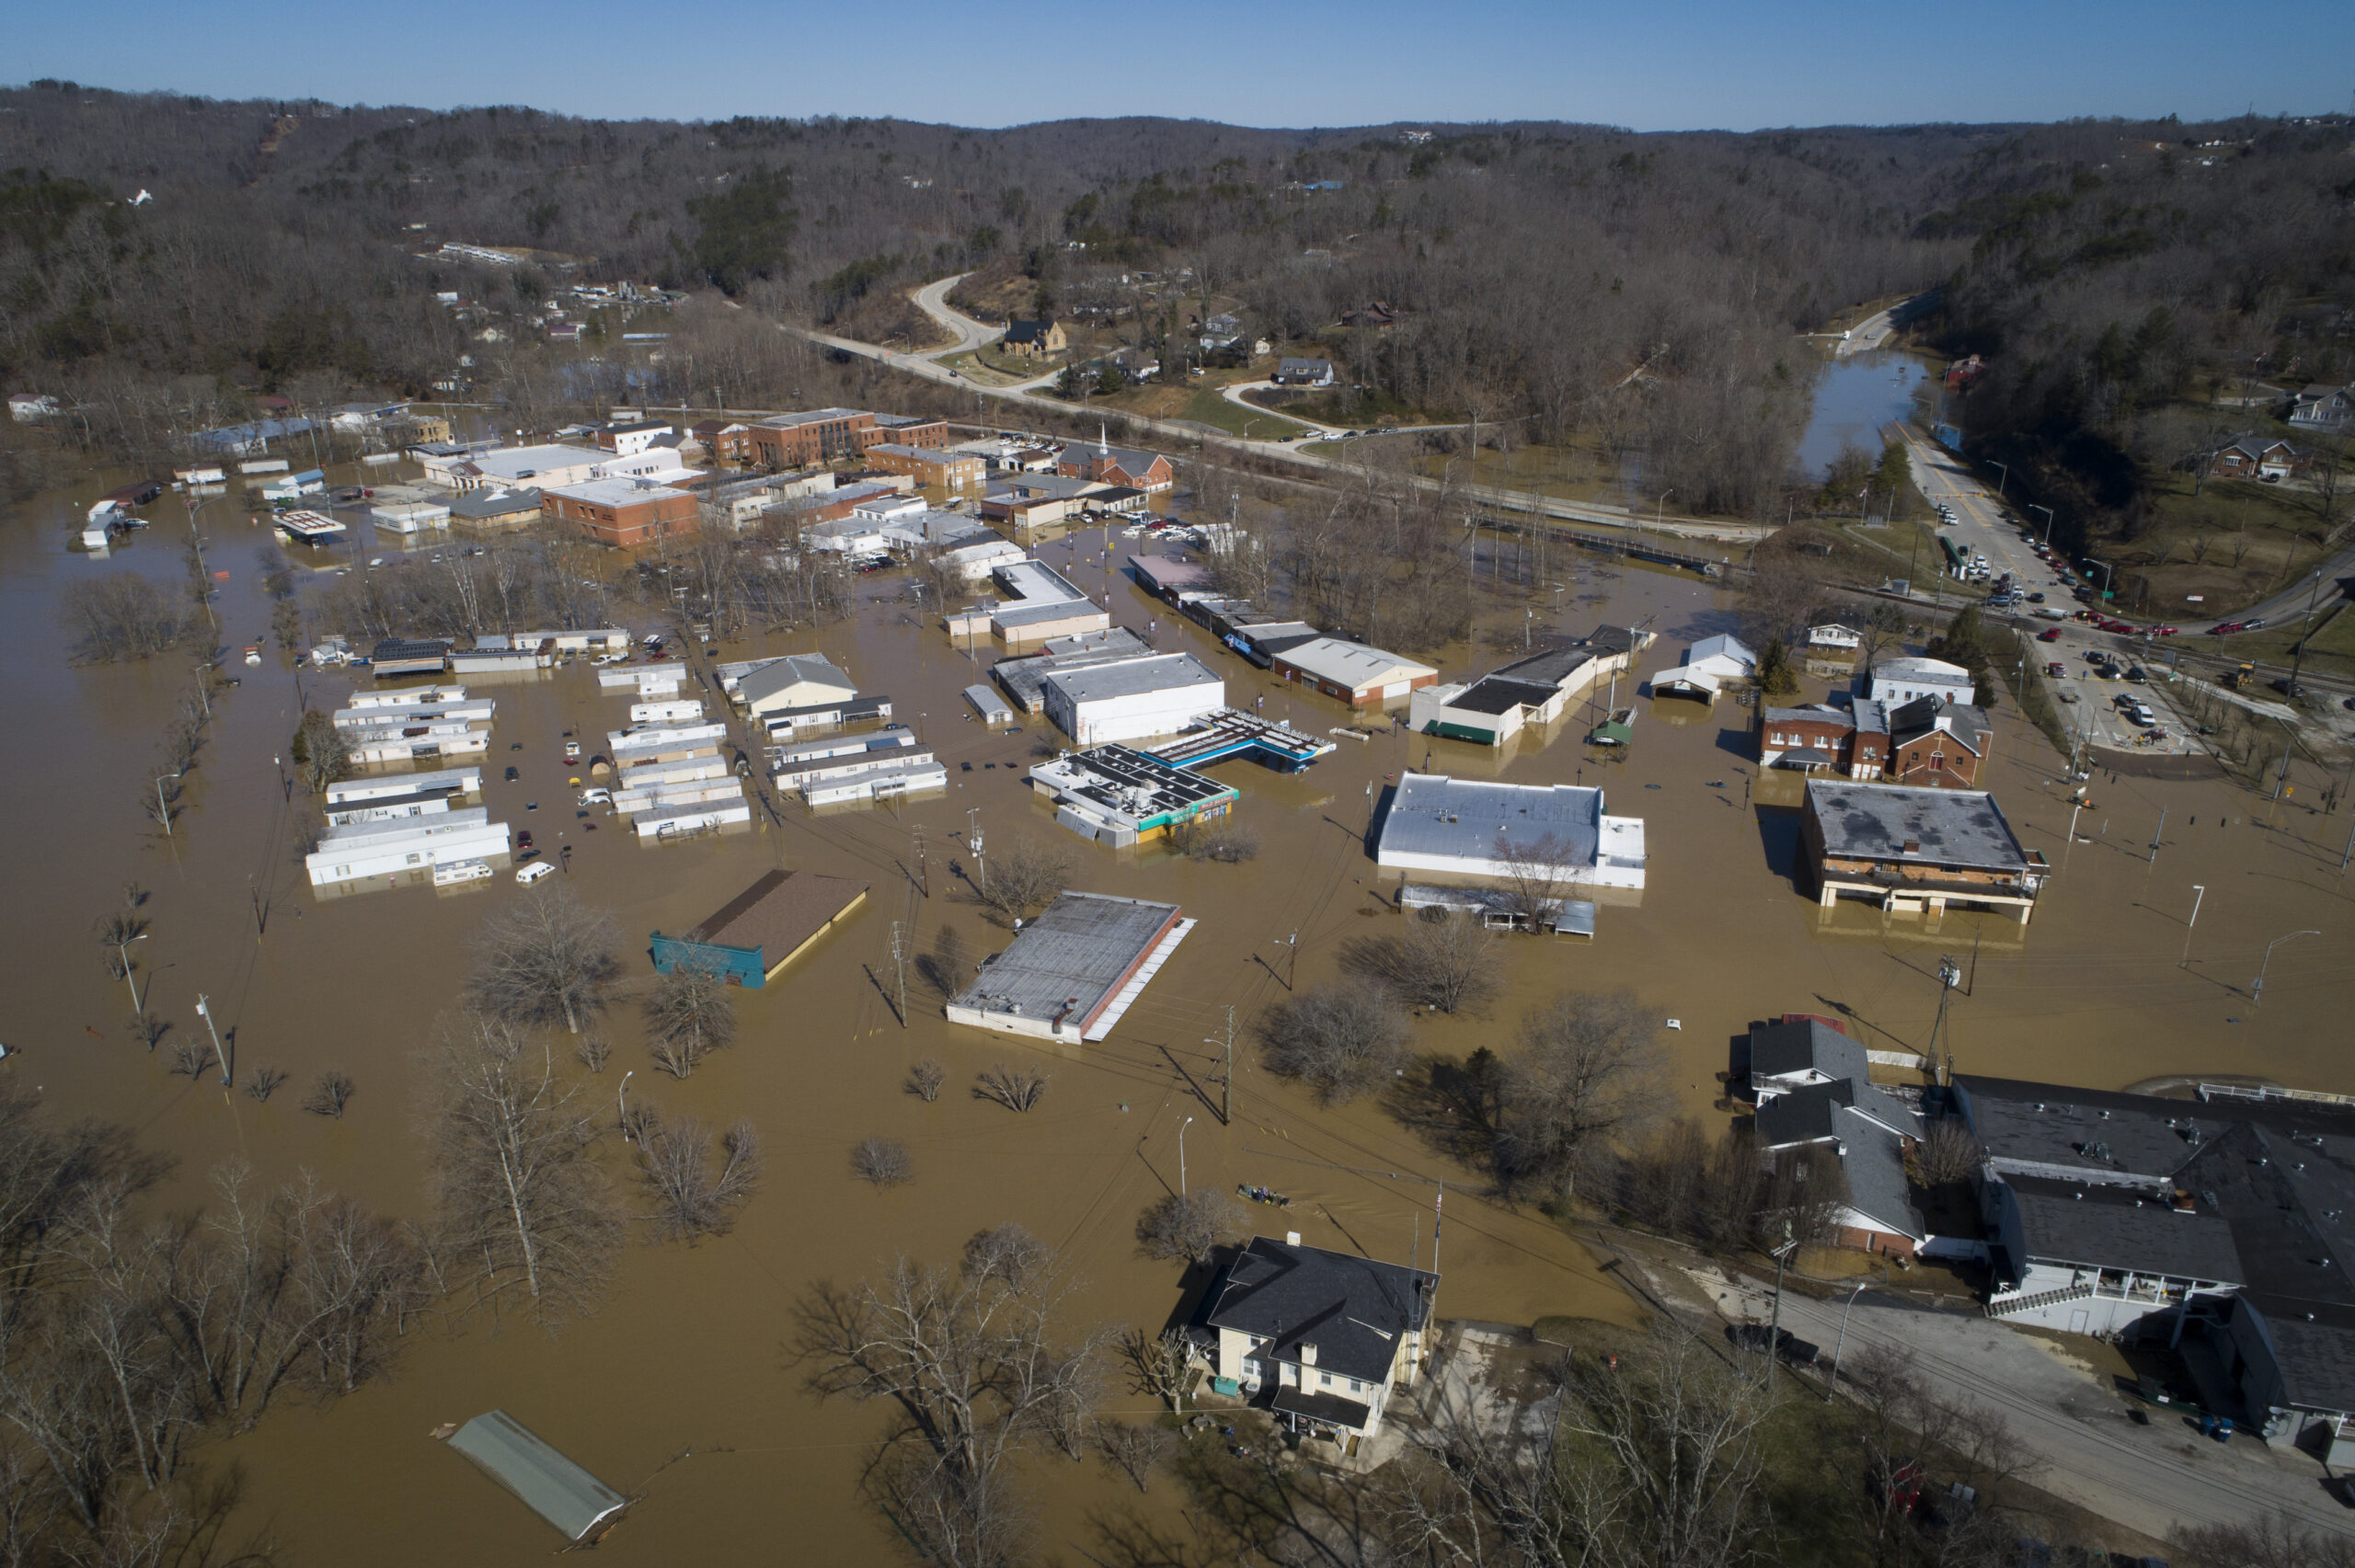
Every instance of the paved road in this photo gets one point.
(2073, 1428)
(933, 300)
(1182, 433)
(1866, 336)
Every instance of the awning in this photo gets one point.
(1611, 732)
(1575, 918)
(1331, 1410)
(1806, 757)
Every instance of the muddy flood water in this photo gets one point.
(679, 1387)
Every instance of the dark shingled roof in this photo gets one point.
(1495, 694)
(778, 912)
(1352, 1308)
(1797, 1045)
(2106, 1226)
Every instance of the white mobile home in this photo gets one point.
(463, 781)
(381, 849)
(680, 822)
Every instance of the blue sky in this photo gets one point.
(1733, 63)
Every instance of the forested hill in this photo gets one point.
(1641, 292)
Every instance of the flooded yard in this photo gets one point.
(679, 1388)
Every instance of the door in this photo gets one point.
(2077, 1320)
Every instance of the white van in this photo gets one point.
(534, 872)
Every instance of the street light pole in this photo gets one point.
(123, 955)
(2259, 993)
(1841, 1342)
(2002, 476)
(2198, 894)
(1181, 1154)
(621, 1104)
(2048, 519)
(220, 1052)
(1950, 975)
(163, 807)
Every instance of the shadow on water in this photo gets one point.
(1778, 836)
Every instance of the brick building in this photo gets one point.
(930, 467)
(1923, 742)
(623, 513)
(1107, 464)
(727, 443)
(823, 435)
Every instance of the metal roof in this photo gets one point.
(1431, 814)
(551, 1487)
(1948, 826)
(1134, 677)
(1344, 663)
(1069, 960)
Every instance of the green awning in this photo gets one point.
(1611, 732)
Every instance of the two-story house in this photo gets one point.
(1034, 339)
(1812, 1082)
(1322, 1339)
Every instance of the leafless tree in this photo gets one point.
(1190, 1226)
(1585, 1074)
(882, 1161)
(321, 751)
(1954, 1450)
(330, 1093)
(1341, 1040)
(1221, 840)
(265, 1082)
(945, 967)
(2273, 1541)
(1883, 629)
(1947, 1153)
(147, 1029)
(690, 1013)
(120, 616)
(543, 961)
(1024, 876)
(1018, 1089)
(692, 1197)
(1537, 874)
(924, 1080)
(1445, 959)
(976, 1363)
(520, 1201)
(159, 800)
(1136, 1449)
(593, 1050)
(190, 1058)
(1160, 1366)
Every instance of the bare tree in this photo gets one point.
(1136, 1449)
(976, 1363)
(1537, 874)
(593, 1050)
(190, 1058)
(1445, 960)
(690, 1013)
(2266, 1541)
(330, 1093)
(120, 616)
(882, 1161)
(1946, 1153)
(1585, 1073)
(693, 1197)
(1340, 1040)
(1161, 1366)
(1221, 840)
(544, 961)
(321, 751)
(945, 968)
(924, 1080)
(265, 1082)
(1189, 1226)
(1018, 1089)
(519, 1198)
(1024, 876)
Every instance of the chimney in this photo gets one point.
(1291, 1238)
(1307, 1353)
(1913, 846)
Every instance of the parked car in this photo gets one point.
(1795, 1351)
(2223, 628)
(596, 797)
(524, 839)
(513, 775)
(2056, 667)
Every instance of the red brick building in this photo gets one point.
(623, 513)
(726, 441)
(1925, 743)
(1937, 745)
(1146, 471)
(929, 466)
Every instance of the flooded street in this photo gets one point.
(680, 1388)
(1853, 398)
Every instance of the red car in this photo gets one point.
(2163, 631)
(524, 839)
(2218, 631)
(2052, 635)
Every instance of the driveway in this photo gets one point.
(2069, 1425)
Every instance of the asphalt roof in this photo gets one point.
(1552, 666)
(1072, 958)
(1796, 1045)
(1497, 694)
(1431, 814)
(2106, 1226)
(793, 670)
(1951, 827)
(1346, 663)
(1352, 1308)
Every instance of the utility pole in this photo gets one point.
(973, 821)
(220, 1052)
(899, 965)
(1291, 964)
(1950, 974)
(924, 872)
(2198, 894)
(1775, 1323)
(2157, 836)
(1181, 1154)
(1226, 1109)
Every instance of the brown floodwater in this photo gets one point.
(679, 1387)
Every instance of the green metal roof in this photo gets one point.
(550, 1486)
(1611, 732)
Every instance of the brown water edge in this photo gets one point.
(687, 1353)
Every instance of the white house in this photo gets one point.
(1908, 680)
(1832, 634)
(1321, 1339)
(1131, 699)
(1725, 656)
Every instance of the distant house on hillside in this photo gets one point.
(1304, 372)
(2255, 457)
(1034, 339)
(2327, 408)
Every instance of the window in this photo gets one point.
(1356, 1385)
(1324, 1379)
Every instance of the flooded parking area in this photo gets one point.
(678, 1390)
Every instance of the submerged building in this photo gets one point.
(1482, 831)
(1072, 973)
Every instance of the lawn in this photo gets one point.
(1582, 471)
(1203, 406)
(2232, 543)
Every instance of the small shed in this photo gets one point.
(551, 1487)
(993, 709)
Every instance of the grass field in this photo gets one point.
(1203, 406)
(2233, 543)
(1579, 472)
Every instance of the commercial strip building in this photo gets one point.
(1321, 1339)
(2221, 1227)
(1133, 698)
(1468, 828)
(495, 509)
(1911, 848)
(1534, 691)
(750, 938)
(1351, 672)
(1024, 678)
(1119, 795)
(1041, 604)
(1071, 973)
(797, 680)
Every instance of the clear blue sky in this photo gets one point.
(1653, 65)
